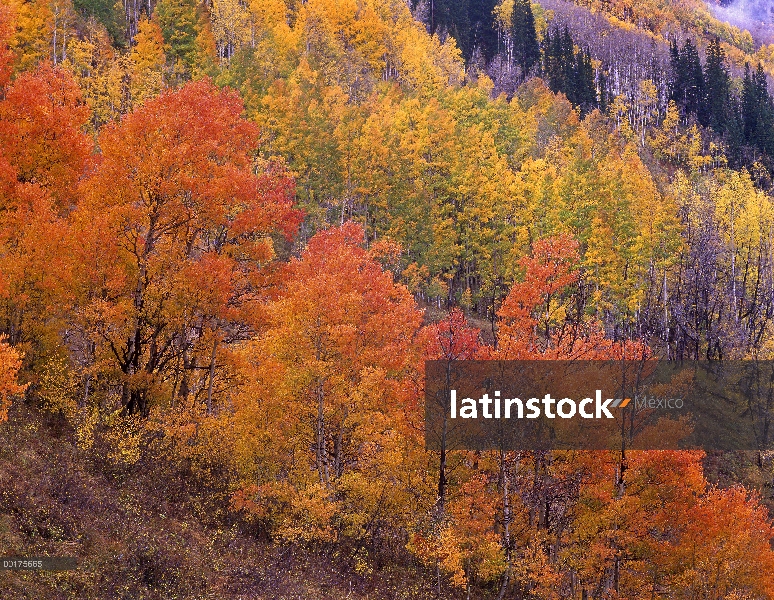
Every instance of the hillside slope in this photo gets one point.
(150, 531)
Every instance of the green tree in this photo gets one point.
(453, 17)
(526, 50)
(717, 89)
(108, 13)
(179, 20)
(687, 78)
(757, 110)
(483, 34)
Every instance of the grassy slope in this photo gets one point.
(148, 532)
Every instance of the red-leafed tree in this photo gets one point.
(10, 362)
(173, 229)
(6, 55)
(332, 383)
(42, 136)
(536, 319)
(535, 322)
(43, 154)
(449, 340)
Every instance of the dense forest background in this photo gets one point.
(232, 231)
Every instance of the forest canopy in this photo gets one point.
(232, 232)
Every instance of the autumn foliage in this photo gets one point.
(10, 363)
(41, 130)
(332, 382)
(6, 55)
(232, 233)
(172, 231)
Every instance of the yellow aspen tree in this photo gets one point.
(30, 41)
(101, 73)
(146, 62)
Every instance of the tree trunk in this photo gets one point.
(212, 376)
(322, 459)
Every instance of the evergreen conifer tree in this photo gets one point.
(526, 50)
(687, 85)
(483, 34)
(568, 71)
(452, 17)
